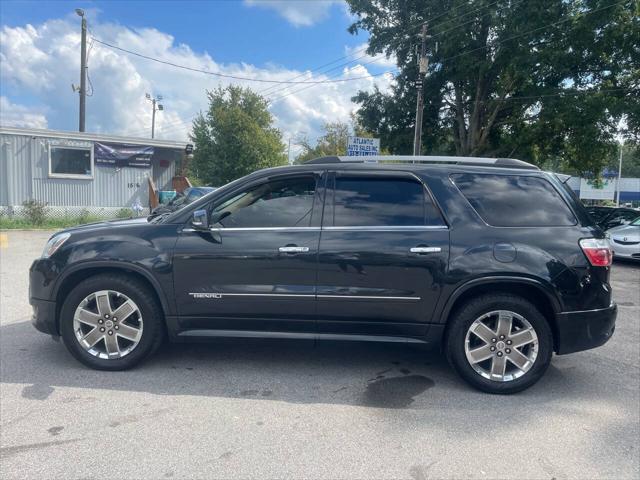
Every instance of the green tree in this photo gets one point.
(235, 137)
(630, 161)
(539, 80)
(332, 142)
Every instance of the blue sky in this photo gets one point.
(230, 30)
(269, 39)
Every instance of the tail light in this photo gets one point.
(597, 250)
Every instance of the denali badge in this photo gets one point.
(205, 295)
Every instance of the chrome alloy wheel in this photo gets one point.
(107, 324)
(501, 346)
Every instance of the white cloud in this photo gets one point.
(14, 115)
(301, 13)
(360, 52)
(40, 63)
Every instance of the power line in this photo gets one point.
(87, 68)
(277, 89)
(487, 46)
(173, 124)
(408, 29)
(546, 95)
(532, 30)
(471, 51)
(187, 121)
(233, 77)
(284, 88)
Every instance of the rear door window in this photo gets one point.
(361, 201)
(514, 200)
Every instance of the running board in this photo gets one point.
(296, 336)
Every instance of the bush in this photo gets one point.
(35, 211)
(84, 216)
(124, 213)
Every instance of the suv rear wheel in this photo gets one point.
(111, 322)
(499, 343)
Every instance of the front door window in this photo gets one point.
(282, 203)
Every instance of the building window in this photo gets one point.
(70, 162)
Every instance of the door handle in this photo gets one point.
(293, 249)
(425, 249)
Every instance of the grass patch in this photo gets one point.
(34, 216)
(8, 223)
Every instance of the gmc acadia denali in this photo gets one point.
(491, 260)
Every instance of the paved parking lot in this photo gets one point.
(292, 410)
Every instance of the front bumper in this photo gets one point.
(42, 275)
(625, 250)
(577, 331)
(44, 316)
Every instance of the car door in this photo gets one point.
(383, 255)
(255, 269)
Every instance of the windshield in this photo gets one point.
(178, 201)
(185, 201)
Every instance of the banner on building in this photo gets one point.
(122, 155)
(362, 147)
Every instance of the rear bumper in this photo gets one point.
(584, 330)
(44, 316)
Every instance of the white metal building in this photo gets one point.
(72, 171)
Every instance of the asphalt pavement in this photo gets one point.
(292, 410)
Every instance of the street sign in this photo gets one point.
(362, 147)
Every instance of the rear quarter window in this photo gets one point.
(514, 200)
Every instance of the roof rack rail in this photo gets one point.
(401, 159)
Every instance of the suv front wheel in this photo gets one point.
(111, 322)
(499, 343)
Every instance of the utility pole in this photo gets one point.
(155, 106)
(297, 142)
(423, 63)
(83, 69)
(619, 177)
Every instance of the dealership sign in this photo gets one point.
(122, 155)
(363, 147)
(603, 190)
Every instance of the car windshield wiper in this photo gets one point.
(158, 218)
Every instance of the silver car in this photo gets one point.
(625, 240)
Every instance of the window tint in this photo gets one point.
(282, 203)
(514, 200)
(193, 196)
(369, 201)
(70, 161)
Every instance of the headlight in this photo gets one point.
(54, 244)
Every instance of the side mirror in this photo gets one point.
(200, 220)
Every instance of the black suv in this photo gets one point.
(491, 260)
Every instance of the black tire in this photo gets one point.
(463, 318)
(152, 333)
